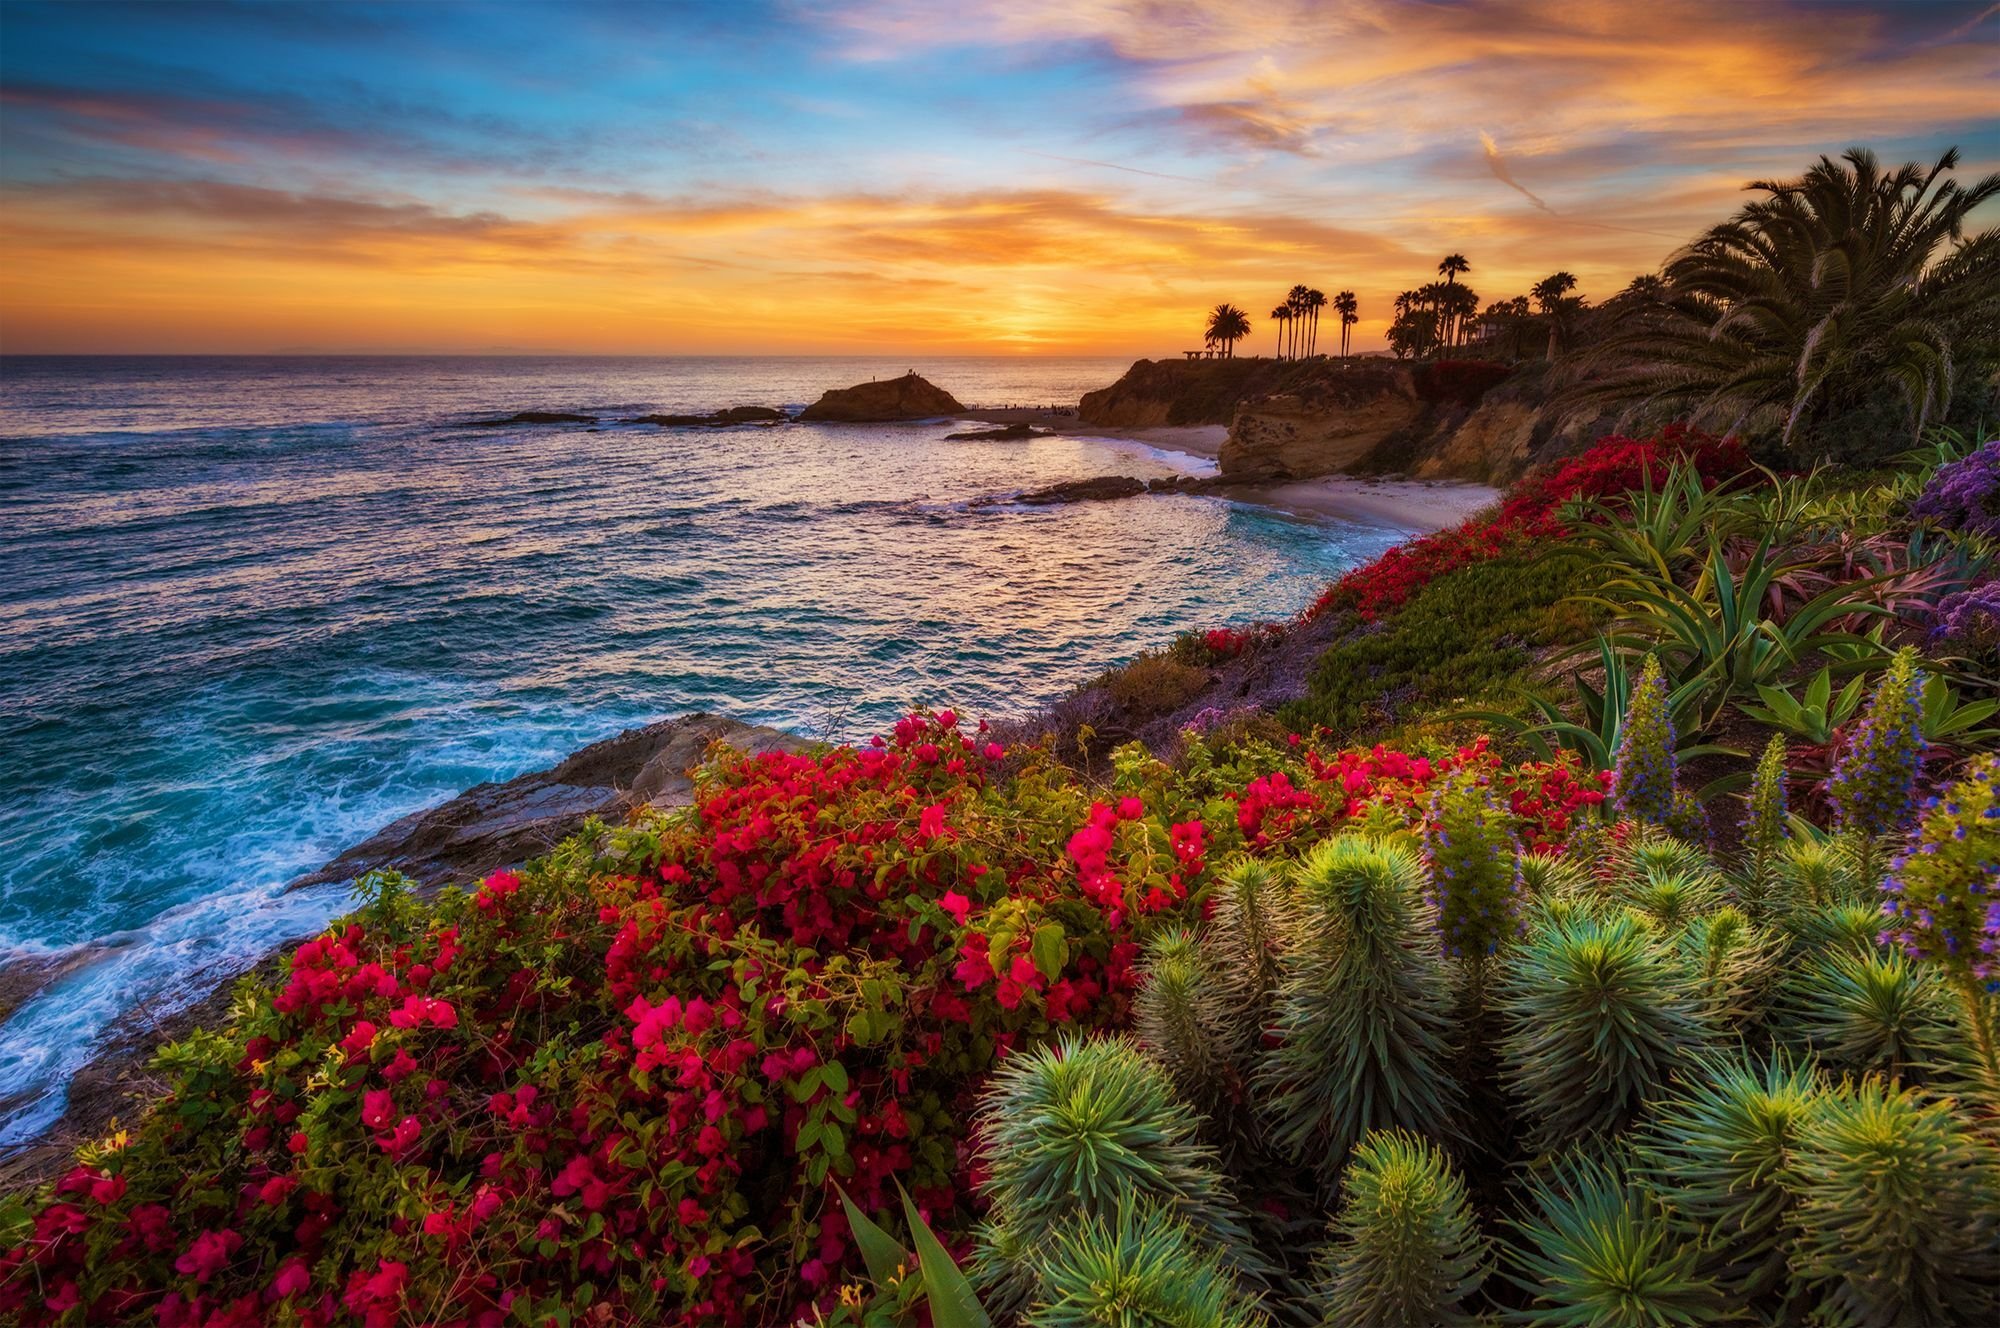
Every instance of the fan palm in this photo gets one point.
(1852, 287)
(1227, 324)
(1315, 300)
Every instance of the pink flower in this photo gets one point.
(378, 1108)
(1130, 809)
(209, 1254)
(293, 1277)
(957, 905)
(930, 822)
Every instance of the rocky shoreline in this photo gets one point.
(485, 828)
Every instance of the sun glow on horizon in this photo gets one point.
(886, 177)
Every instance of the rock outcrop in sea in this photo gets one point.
(911, 397)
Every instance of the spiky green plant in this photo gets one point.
(1833, 927)
(1644, 785)
(1721, 1152)
(1597, 1251)
(1364, 1012)
(1245, 940)
(1546, 876)
(1673, 899)
(1899, 1211)
(1942, 901)
(1071, 1131)
(1139, 1267)
(1407, 1251)
(1863, 1010)
(1735, 963)
(1475, 869)
(1875, 777)
(1766, 816)
(1598, 1014)
(1178, 1017)
(1814, 873)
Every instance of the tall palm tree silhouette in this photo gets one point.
(1282, 316)
(1449, 269)
(1228, 324)
(1295, 300)
(1346, 306)
(1315, 301)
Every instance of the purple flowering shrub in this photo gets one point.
(1942, 897)
(1475, 863)
(1875, 777)
(1965, 495)
(1967, 623)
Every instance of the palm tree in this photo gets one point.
(1449, 269)
(1295, 300)
(1228, 324)
(1552, 295)
(1845, 293)
(1282, 316)
(1348, 318)
(1314, 302)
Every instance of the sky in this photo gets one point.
(930, 176)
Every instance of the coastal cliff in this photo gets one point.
(1462, 420)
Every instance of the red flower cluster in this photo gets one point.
(1531, 512)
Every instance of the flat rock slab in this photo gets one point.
(532, 417)
(1005, 433)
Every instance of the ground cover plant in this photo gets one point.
(1670, 1001)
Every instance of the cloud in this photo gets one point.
(1498, 165)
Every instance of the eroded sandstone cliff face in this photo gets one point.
(1330, 423)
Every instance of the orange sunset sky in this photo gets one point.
(1035, 176)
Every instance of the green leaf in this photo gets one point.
(1049, 949)
(879, 1250)
(834, 1075)
(953, 1305)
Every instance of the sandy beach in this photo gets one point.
(1418, 506)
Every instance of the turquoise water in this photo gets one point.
(253, 609)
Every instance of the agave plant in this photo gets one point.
(1598, 728)
(1899, 1211)
(1407, 1252)
(1596, 1250)
(1716, 635)
(1070, 1132)
(1663, 531)
(1138, 1267)
(1816, 716)
(1364, 1010)
(1599, 1013)
(1721, 1152)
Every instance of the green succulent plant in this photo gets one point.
(1074, 1130)
(1721, 1152)
(1245, 939)
(1407, 1251)
(1735, 963)
(1899, 1211)
(1364, 1011)
(1547, 876)
(1867, 1010)
(1596, 1250)
(1138, 1267)
(1598, 1014)
(1179, 1019)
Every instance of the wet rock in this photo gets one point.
(532, 417)
(1007, 433)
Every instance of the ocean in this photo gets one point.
(253, 608)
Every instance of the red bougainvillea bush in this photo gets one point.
(1531, 511)
(619, 1085)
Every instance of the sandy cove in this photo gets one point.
(1417, 506)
